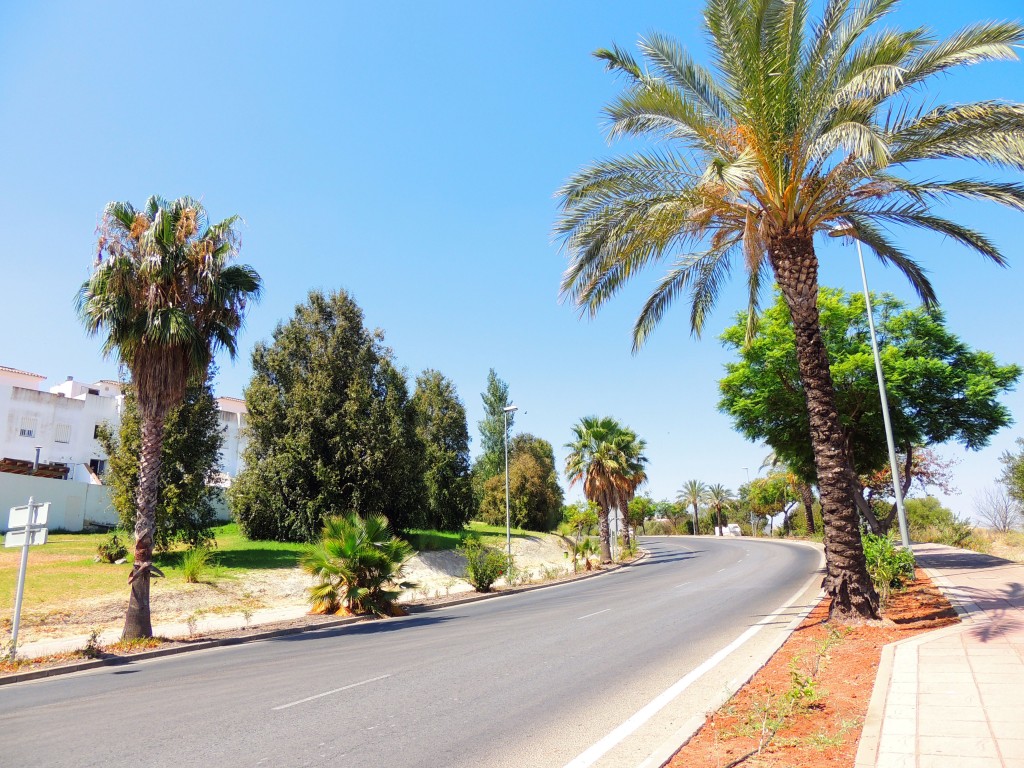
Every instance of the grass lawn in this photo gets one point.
(63, 571)
(494, 535)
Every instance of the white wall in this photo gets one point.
(72, 505)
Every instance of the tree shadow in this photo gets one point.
(257, 559)
(372, 627)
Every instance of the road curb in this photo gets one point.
(80, 666)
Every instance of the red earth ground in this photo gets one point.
(806, 706)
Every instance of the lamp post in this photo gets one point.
(753, 530)
(901, 513)
(508, 517)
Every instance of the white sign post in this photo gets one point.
(31, 520)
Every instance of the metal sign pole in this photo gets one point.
(20, 592)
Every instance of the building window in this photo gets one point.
(97, 466)
(96, 432)
(94, 391)
(28, 428)
(62, 433)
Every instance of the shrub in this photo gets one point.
(890, 568)
(358, 565)
(484, 565)
(195, 564)
(113, 548)
(659, 528)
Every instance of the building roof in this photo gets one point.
(23, 373)
(233, 399)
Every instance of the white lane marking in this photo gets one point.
(595, 613)
(595, 752)
(328, 693)
(720, 570)
(683, 584)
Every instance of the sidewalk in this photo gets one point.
(955, 697)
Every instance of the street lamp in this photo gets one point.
(508, 517)
(901, 513)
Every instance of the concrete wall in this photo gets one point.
(72, 505)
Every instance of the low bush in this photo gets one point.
(890, 568)
(484, 565)
(659, 528)
(113, 548)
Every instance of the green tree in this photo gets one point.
(494, 429)
(1012, 475)
(798, 128)
(165, 296)
(773, 495)
(330, 428)
(441, 427)
(535, 497)
(596, 459)
(188, 466)
(693, 494)
(640, 510)
(940, 390)
(358, 565)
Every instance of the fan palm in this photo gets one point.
(719, 497)
(692, 495)
(596, 458)
(166, 297)
(631, 477)
(358, 564)
(799, 128)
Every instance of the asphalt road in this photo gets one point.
(523, 680)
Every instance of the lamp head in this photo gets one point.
(510, 408)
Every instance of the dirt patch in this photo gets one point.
(806, 706)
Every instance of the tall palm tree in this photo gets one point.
(632, 475)
(799, 128)
(596, 458)
(692, 495)
(166, 298)
(719, 497)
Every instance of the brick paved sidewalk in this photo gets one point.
(955, 697)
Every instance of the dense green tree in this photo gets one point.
(331, 428)
(798, 128)
(189, 468)
(166, 297)
(495, 427)
(640, 510)
(535, 497)
(1012, 475)
(773, 495)
(441, 427)
(939, 389)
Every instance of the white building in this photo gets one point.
(61, 424)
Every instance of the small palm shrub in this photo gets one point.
(890, 568)
(484, 565)
(585, 553)
(195, 564)
(358, 565)
(113, 548)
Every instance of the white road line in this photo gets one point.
(662, 700)
(683, 584)
(328, 693)
(592, 614)
(720, 570)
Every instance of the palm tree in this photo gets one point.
(797, 129)
(632, 476)
(596, 458)
(719, 497)
(800, 484)
(692, 494)
(166, 298)
(358, 564)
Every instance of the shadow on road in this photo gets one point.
(367, 628)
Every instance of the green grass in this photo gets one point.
(423, 540)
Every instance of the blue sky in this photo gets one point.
(410, 153)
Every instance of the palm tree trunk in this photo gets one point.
(807, 498)
(846, 579)
(603, 532)
(137, 621)
(696, 530)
